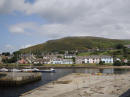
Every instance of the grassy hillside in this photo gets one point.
(74, 43)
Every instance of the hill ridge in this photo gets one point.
(74, 43)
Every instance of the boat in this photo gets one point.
(15, 70)
(46, 71)
(4, 70)
(27, 70)
(51, 70)
(37, 70)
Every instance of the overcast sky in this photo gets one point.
(27, 22)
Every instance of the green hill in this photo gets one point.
(74, 43)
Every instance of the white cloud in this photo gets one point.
(26, 46)
(22, 28)
(9, 48)
(8, 6)
(105, 18)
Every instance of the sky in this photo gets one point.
(24, 23)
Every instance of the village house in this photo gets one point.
(67, 61)
(47, 61)
(30, 58)
(127, 46)
(49, 57)
(125, 60)
(26, 58)
(38, 61)
(69, 56)
(52, 56)
(107, 59)
(79, 60)
(93, 59)
(22, 61)
(62, 61)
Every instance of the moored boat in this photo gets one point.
(27, 70)
(48, 70)
(4, 70)
(37, 70)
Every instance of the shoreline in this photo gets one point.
(68, 66)
(96, 67)
(83, 85)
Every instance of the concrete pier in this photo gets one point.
(84, 85)
(18, 78)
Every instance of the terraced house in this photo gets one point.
(93, 59)
(62, 61)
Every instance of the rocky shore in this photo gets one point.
(84, 85)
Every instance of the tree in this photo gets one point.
(6, 53)
(128, 63)
(61, 52)
(101, 63)
(119, 46)
(73, 59)
(59, 56)
(11, 60)
(117, 63)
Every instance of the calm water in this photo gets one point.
(47, 77)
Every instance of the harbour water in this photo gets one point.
(47, 77)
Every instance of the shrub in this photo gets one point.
(101, 63)
(117, 63)
(119, 46)
(128, 63)
(38, 64)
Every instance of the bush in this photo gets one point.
(12, 60)
(128, 63)
(38, 64)
(119, 46)
(101, 63)
(117, 63)
(73, 59)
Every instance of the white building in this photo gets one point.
(107, 59)
(93, 59)
(67, 61)
(69, 56)
(62, 61)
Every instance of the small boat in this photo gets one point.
(15, 70)
(35, 70)
(27, 70)
(3, 70)
(48, 70)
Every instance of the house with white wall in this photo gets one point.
(62, 61)
(69, 56)
(107, 59)
(93, 59)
